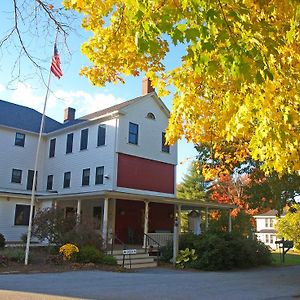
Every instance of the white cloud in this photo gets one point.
(24, 94)
(83, 102)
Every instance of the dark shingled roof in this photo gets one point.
(21, 117)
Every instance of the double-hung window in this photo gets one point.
(49, 182)
(69, 145)
(52, 147)
(101, 135)
(20, 139)
(99, 175)
(67, 180)
(86, 177)
(164, 147)
(84, 139)
(22, 213)
(30, 176)
(16, 176)
(133, 133)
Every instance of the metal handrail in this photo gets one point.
(147, 245)
(115, 238)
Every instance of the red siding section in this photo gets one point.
(161, 217)
(130, 220)
(145, 174)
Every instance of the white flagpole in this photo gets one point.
(37, 155)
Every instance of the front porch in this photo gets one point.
(140, 219)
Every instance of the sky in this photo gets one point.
(21, 83)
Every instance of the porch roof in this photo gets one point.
(186, 204)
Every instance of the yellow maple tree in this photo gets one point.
(238, 80)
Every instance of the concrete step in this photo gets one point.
(135, 261)
(120, 252)
(139, 266)
(133, 256)
(138, 260)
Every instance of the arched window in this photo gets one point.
(151, 116)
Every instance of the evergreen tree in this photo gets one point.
(193, 185)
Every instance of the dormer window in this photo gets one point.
(150, 116)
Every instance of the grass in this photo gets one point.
(289, 259)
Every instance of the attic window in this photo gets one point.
(150, 115)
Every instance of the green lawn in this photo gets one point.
(289, 259)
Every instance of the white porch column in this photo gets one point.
(146, 223)
(229, 221)
(175, 236)
(179, 219)
(206, 218)
(78, 216)
(105, 222)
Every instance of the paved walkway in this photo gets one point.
(155, 284)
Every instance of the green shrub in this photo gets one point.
(23, 238)
(225, 251)
(15, 254)
(109, 260)
(185, 256)
(2, 241)
(84, 235)
(89, 254)
(166, 252)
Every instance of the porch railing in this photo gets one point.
(162, 238)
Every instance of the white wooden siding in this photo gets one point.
(150, 132)
(78, 160)
(10, 231)
(16, 157)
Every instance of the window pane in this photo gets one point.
(22, 213)
(101, 135)
(20, 139)
(67, 179)
(99, 175)
(30, 179)
(50, 182)
(69, 147)
(16, 176)
(84, 139)
(164, 147)
(86, 177)
(133, 133)
(52, 148)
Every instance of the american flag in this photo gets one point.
(55, 65)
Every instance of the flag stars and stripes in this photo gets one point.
(55, 65)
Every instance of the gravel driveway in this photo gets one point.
(155, 284)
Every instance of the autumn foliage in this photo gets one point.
(237, 80)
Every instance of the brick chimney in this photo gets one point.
(69, 114)
(146, 86)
